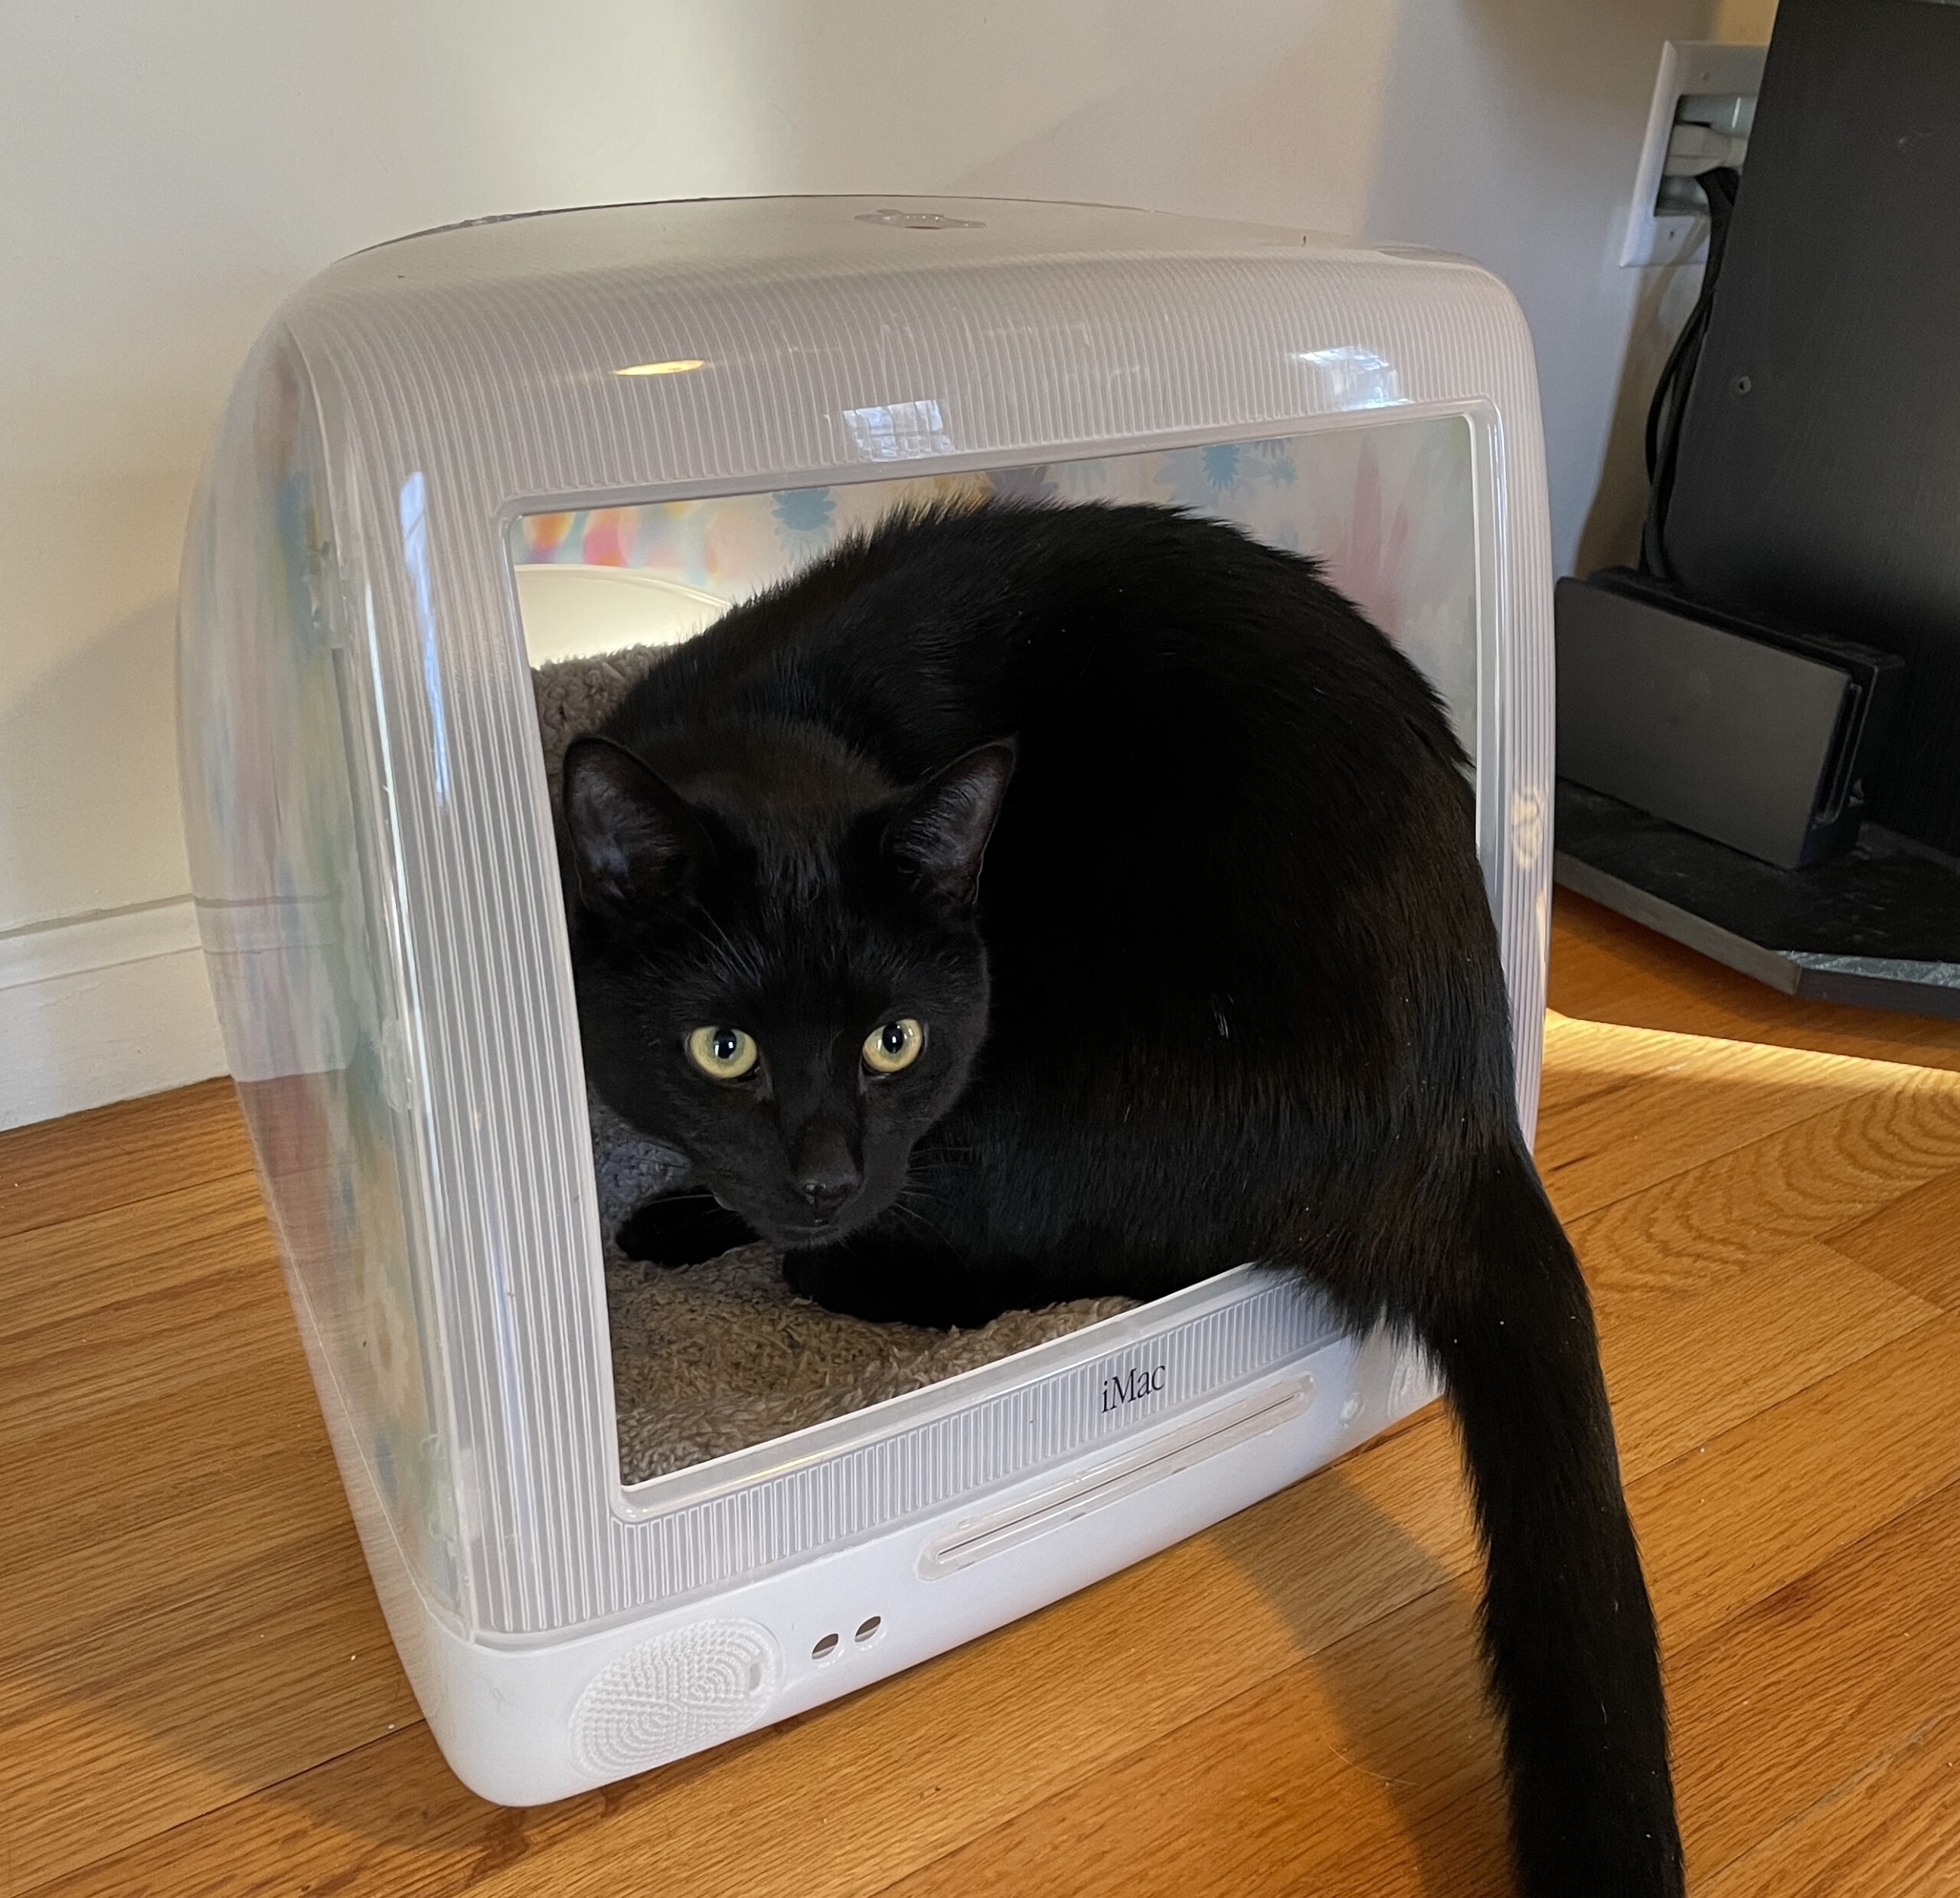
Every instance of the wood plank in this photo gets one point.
(1784, 1491)
(1260, 1788)
(1892, 1831)
(156, 1659)
(1915, 1241)
(1793, 1700)
(176, 1715)
(250, 1448)
(1797, 1698)
(1779, 1193)
(1626, 1109)
(1229, 1613)
(113, 1156)
(71, 1267)
(120, 1733)
(63, 1375)
(1272, 1793)
(1681, 1371)
(135, 1634)
(1800, 1693)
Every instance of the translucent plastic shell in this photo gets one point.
(367, 806)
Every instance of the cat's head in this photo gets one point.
(791, 991)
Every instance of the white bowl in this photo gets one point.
(571, 611)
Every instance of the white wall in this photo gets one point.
(171, 172)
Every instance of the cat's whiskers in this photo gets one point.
(904, 1202)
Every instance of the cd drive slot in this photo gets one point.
(1078, 1495)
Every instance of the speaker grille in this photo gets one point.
(675, 1694)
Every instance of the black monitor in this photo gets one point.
(1818, 477)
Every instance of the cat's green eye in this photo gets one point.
(722, 1054)
(894, 1046)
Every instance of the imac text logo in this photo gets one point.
(1133, 1384)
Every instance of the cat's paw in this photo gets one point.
(822, 1278)
(861, 1279)
(684, 1229)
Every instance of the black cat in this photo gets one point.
(1229, 989)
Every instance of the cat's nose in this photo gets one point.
(828, 1190)
(827, 1170)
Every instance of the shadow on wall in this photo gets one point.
(1516, 127)
(1278, 123)
(111, 1002)
(88, 776)
(1508, 131)
(1611, 535)
(1666, 294)
(167, 199)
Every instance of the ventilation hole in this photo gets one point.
(825, 1648)
(866, 1629)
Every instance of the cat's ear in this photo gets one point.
(633, 841)
(939, 833)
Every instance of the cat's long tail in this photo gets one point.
(1567, 1626)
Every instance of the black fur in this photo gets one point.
(1228, 988)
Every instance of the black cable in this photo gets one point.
(1671, 392)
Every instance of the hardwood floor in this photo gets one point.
(1604, 968)
(197, 1696)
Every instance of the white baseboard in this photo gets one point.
(103, 1009)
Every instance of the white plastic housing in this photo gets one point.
(371, 845)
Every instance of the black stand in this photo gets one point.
(1879, 926)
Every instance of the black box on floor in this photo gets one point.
(1757, 736)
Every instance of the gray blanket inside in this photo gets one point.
(724, 1355)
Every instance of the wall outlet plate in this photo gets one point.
(1690, 69)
